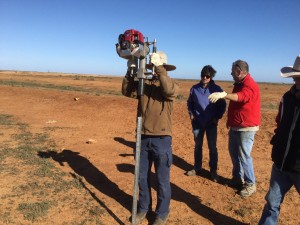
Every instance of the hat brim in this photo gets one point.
(288, 71)
(167, 67)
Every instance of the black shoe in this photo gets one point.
(214, 176)
(237, 183)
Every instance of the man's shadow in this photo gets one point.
(192, 201)
(83, 167)
(177, 161)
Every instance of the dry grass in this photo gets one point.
(32, 182)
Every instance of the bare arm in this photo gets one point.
(232, 97)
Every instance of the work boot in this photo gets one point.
(139, 217)
(192, 172)
(160, 221)
(214, 176)
(248, 190)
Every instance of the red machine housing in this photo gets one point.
(131, 43)
(130, 37)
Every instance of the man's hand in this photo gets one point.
(155, 59)
(216, 96)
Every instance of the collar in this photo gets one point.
(295, 92)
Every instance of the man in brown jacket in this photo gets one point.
(156, 135)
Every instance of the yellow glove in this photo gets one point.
(155, 59)
(216, 96)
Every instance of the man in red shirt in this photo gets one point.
(243, 122)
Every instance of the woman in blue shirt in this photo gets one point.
(204, 118)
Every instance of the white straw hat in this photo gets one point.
(291, 71)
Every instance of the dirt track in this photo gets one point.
(106, 165)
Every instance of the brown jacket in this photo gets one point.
(156, 103)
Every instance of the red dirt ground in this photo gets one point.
(109, 119)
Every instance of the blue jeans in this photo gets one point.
(280, 183)
(240, 147)
(211, 135)
(155, 150)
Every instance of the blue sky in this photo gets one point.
(79, 36)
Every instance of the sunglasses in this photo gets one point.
(205, 76)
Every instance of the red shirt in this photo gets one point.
(246, 111)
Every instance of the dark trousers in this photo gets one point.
(211, 135)
(155, 150)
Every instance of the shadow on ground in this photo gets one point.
(84, 168)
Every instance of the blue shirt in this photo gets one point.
(201, 108)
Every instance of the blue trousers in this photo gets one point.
(240, 147)
(155, 150)
(280, 183)
(211, 135)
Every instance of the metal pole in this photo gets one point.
(136, 170)
(141, 77)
